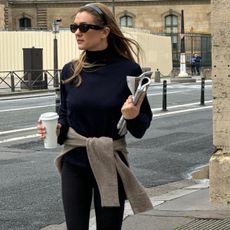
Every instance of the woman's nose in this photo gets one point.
(77, 31)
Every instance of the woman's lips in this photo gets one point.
(79, 41)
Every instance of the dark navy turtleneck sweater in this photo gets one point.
(94, 108)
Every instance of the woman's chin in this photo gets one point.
(80, 47)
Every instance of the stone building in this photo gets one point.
(157, 16)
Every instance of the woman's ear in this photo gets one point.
(106, 31)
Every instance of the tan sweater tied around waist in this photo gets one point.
(105, 163)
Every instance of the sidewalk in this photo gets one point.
(181, 209)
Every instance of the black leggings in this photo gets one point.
(78, 185)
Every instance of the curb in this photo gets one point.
(201, 173)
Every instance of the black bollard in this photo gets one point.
(164, 99)
(12, 82)
(202, 91)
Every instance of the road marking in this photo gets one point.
(181, 111)
(25, 97)
(183, 105)
(182, 89)
(43, 106)
(154, 116)
(17, 130)
(26, 108)
(156, 94)
(170, 92)
(19, 138)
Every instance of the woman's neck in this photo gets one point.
(100, 56)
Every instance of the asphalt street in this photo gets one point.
(177, 142)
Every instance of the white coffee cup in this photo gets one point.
(49, 120)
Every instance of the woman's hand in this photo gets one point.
(129, 110)
(42, 130)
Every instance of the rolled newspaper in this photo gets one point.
(138, 86)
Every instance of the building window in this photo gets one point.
(24, 23)
(126, 21)
(171, 28)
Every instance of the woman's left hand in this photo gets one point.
(129, 110)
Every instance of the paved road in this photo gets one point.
(176, 142)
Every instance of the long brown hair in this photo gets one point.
(123, 46)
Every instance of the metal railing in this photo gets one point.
(194, 43)
(19, 80)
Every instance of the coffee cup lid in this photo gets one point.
(48, 116)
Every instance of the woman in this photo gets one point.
(94, 95)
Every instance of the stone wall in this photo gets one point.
(220, 160)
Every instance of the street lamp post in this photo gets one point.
(191, 31)
(56, 79)
(55, 49)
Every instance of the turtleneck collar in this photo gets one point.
(101, 56)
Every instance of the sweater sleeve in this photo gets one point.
(141, 123)
(63, 107)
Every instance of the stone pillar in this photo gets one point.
(219, 165)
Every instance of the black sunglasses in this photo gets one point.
(83, 27)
